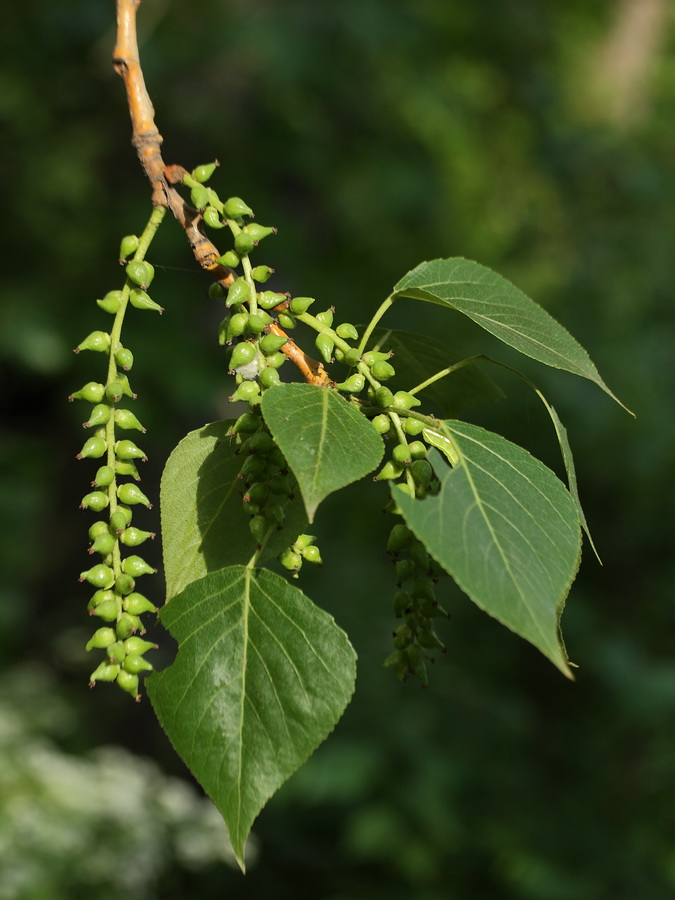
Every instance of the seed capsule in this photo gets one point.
(325, 317)
(261, 274)
(102, 597)
(111, 303)
(103, 544)
(290, 560)
(129, 683)
(120, 519)
(124, 418)
(400, 537)
(138, 272)
(100, 576)
(126, 467)
(258, 232)
(421, 472)
(238, 292)
(101, 639)
(324, 344)
(98, 341)
(373, 356)
(353, 384)
(131, 494)
(352, 357)
(105, 672)
(137, 604)
(204, 172)
(116, 652)
(135, 663)
(413, 426)
(271, 343)
(124, 358)
(128, 625)
(382, 370)
(276, 360)
(258, 527)
(286, 321)
(98, 416)
(269, 377)
(93, 448)
(404, 400)
(128, 246)
(261, 443)
(236, 326)
(135, 566)
(92, 391)
(384, 397)
(270, 299)
(98, 528)
(256, 324)
(347, 331)
(242, 355)
(417, 450)
(419, 556)
(114, 391)
(235, 208)
(141, 300)
(244, 243)
(96, 501)
(136, 645)
(106, 611)
(199, 196)
(381, 423)
(230, 260)
(401, 454)
(133, 537)
(312, 554)
(405, 569)
(124, 584)
(212, 218)
(128, 450)
(389, 470)
(216, 291)
(247, 391)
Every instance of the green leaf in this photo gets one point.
(507, 530)
(204, 526)
(327, 442)
(261, 677)
(417, 357)
(502, 309)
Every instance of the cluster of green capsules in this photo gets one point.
(114, 539)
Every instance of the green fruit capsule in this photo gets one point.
(325, 317)
(247, 392)
(261, 443)
(381, 423)
(129, 683)
(116, 652)
(99, 415)
(98, 341)
(96, 501)
(422, 589)
(105, 672)
(261, 274)
(111, 303)
(389, 470)
(401, 454)
(137, 604)
(120, 519)
(272, 343)
(124, 584)
(135, 645)
(102, 597)
(106, 611)
(124, 418)
(100, 576)
(204, 172)
(216, 291)
(402, 603)
(383, 396)
(398, 662)
(94, 448)
(128, 625)
(114, 391)
(237, 326)
(419, 556)
(269, 377)
(276, 360)
(101, 639)
(244, 243)
(286, 321)
(199, 196)
(257, 493)
(325, 344)
(302, 541)
(126, 467)
(312, 554)
(404, 400)
(98, 528)
(300, 305)
(258, 527)
(373, 356)
(238, 292)
(242, 355)
(235, 208)
(422, 472)
(92, 392)
(135, 663)
(103, 544)
(353, 384)
(253, 469)
(417, 450)
(399, 539)
(276, 514)
(139, 273)
(230, 260)
(124, 358)
(405, 569)
(212, 218)
(141, 300)
(270, 299)
(281, 485)
(290, 560)
(417, 664)
(247, 423)
(428, 639)
(128, 450)
(133, 537)
(131, 494)
(256, 324)
(382, 370)
(135, 566)
(128, 246)
(413, 427)
(258, 232)
(347, 331)
(352, 357)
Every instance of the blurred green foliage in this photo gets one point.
(374, 134)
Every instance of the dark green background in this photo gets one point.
(374, 134)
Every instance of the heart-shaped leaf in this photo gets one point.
(327, 442)
(261, 677)
(506, 529)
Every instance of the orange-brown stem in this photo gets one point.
(312, 370)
